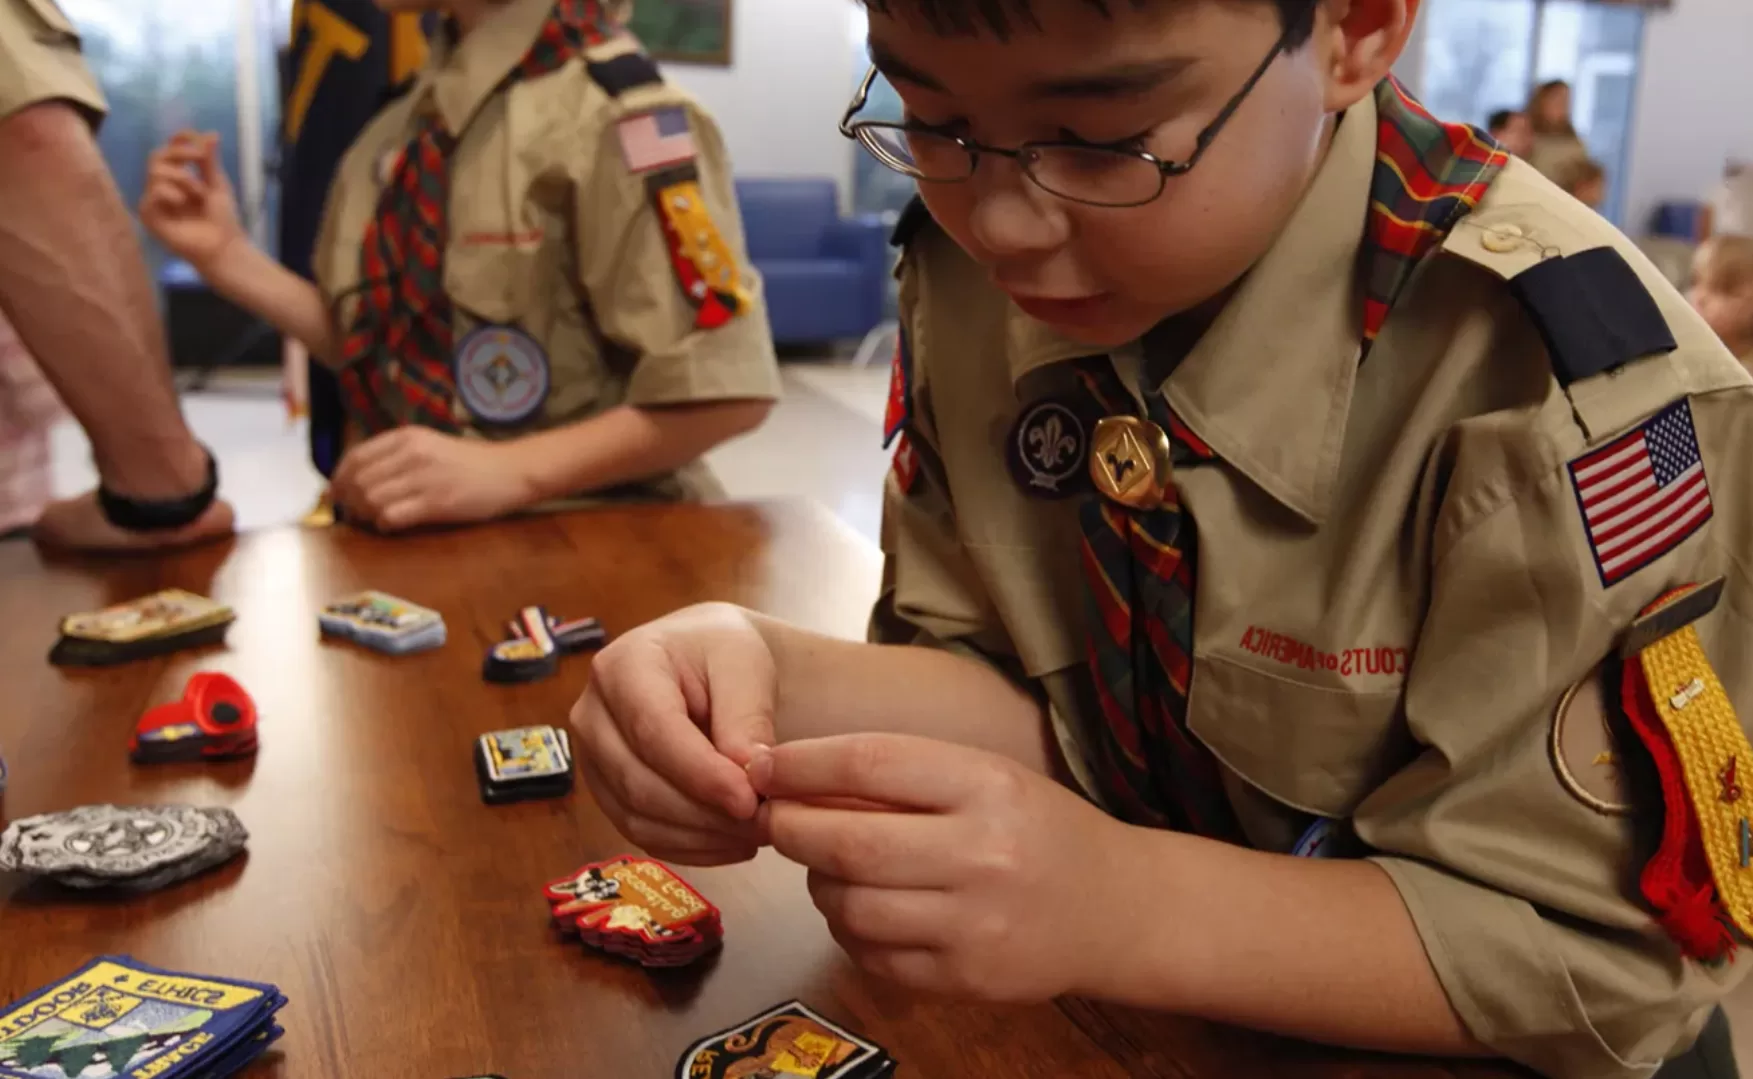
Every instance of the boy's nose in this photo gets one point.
(1013, 216)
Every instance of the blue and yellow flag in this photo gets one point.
(344, 59)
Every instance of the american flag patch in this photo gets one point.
(1643, 493)
(654, 139)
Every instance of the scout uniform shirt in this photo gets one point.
(591, 254)
(40, 61)
(1417, 463)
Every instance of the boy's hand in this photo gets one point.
(985, 880)
(672, 711)
(414, 476)
(188, 204)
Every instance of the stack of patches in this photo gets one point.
(127, 848)
(537, 641)
(153, 625)
(214, 721)
(787, 1040)
(527, 762)
(384, 623)
(118, 1016)
(637, 909)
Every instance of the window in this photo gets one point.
(1484, 55)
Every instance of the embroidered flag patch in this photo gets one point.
(654, 139)
(1643, 493)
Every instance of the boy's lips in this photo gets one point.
(1064, 310)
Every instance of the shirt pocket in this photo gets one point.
(491, 284)
(1318, 749)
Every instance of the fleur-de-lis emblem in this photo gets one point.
(1050, 443)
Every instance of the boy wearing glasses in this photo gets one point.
(1341, 515)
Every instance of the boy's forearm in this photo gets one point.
(832, 686)
(626, 445)
(1318, 949)
(249, 278)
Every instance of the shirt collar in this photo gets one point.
(1269, 385)
(459, 78)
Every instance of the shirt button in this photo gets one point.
(1502, 239)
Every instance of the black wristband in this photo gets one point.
(140, 515)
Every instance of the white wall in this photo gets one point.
(793, 70)
(1694, 102)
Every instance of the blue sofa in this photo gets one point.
(824, 275)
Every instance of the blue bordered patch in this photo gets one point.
(502, 374)
(1048, 450)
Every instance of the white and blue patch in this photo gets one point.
(502, 375)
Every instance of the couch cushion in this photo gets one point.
(786, 218)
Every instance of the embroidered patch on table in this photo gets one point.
(1642, 494)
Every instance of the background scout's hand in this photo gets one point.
(188, 204)
(988, 883)
(670, 711)
(79, 524)
(415, 476)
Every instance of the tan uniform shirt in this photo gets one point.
(553, 234)
(40, 61)
(1395, 591)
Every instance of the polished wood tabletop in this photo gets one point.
(401, 915)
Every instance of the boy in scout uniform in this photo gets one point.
(530, 278)
(1349, 517)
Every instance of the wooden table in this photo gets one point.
(401, 915)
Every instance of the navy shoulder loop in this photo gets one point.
(1593, 312)
(622, 73)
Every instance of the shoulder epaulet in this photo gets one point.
(913, 218)
(1593, 312)
(622, 73)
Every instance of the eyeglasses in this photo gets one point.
(1078, 171)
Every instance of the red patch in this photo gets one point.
(906, 466)
(900, 408)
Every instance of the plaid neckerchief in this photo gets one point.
(1141, 565)
(400, 344)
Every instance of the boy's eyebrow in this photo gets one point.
(1121, 80)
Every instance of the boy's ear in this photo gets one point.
(1361, 40)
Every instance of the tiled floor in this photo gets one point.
(823, 441)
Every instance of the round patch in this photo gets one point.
(502, 375)
(1047, 451)
(1585, 752)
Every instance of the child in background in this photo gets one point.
(1513, 130)
(28, 411)
(1722, 291)
(1583, 179)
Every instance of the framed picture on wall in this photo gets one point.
(684, 31)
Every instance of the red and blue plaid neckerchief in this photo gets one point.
(400, 342)
(1141, 564)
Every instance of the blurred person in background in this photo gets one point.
(1555, 139)
(1722, 291)
(531, 277)
(75, 288)
(1583, 179)
(1729, 210)
(1510, 127)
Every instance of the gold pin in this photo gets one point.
(1131, 463)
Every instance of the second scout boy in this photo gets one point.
(1352, 524)
(531, 276)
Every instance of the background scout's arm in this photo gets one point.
(74, 285)
(703, 369)
(191, 209)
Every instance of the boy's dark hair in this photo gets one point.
(967, 17)
(1500, 120)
